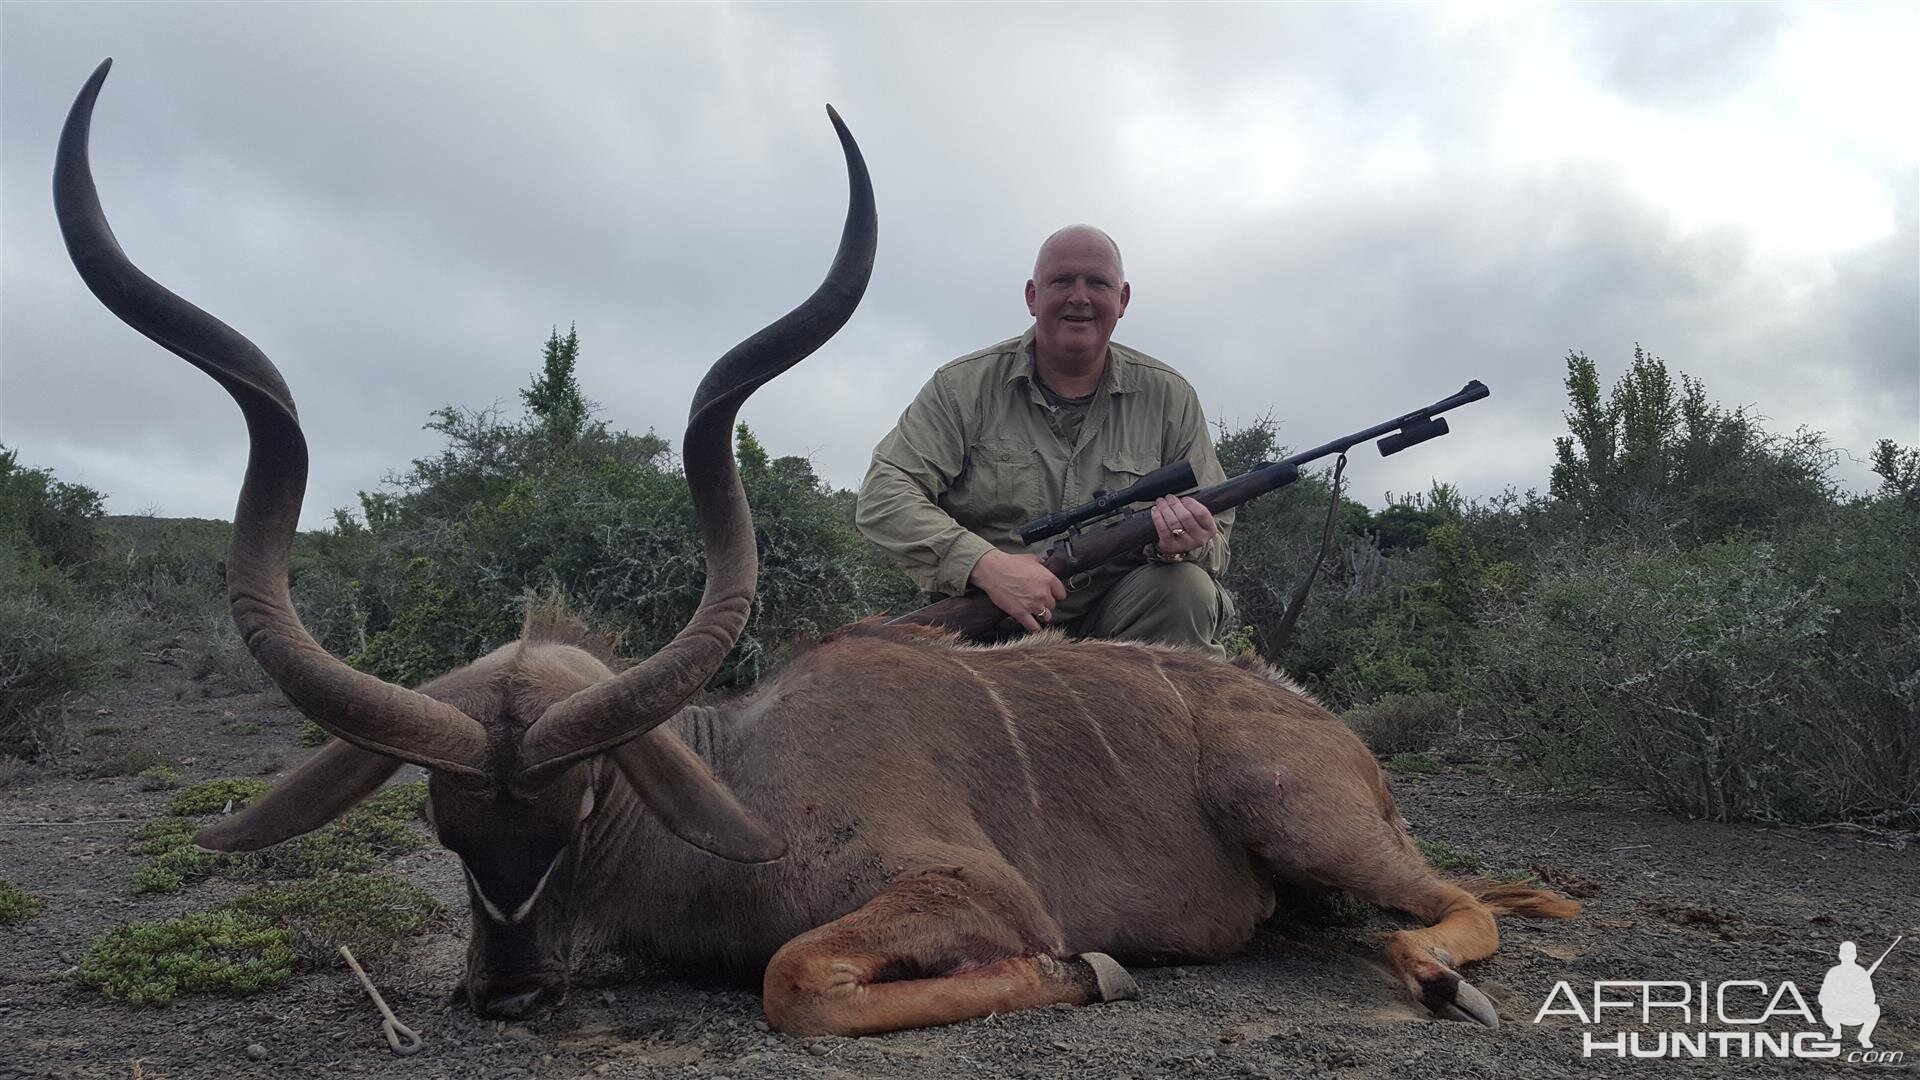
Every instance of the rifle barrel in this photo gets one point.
(1884, 955)
(1471, 392)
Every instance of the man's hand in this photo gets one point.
(1184, 524)
(1019, 585)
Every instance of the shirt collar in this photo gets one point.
(1120, 376)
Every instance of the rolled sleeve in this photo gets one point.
(898, 506)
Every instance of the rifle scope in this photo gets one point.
(1162, 481)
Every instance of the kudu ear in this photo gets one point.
(695, 806)
(331, 783)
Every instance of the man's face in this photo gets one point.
(1076, 296)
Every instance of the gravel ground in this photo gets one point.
(1666, 900)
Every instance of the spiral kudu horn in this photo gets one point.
(366, 711)
(609, 713)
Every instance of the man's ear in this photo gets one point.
(1033, 294)
(1126, 294)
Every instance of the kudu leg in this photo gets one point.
(1383, 868)
(1327, 821)
(934, 948)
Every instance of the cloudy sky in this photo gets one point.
(1330, 214)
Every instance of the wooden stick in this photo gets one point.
(403, 1039)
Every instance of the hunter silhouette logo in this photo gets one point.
(1744, 1018)
(1846, 994)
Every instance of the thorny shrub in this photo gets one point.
(1704, 677)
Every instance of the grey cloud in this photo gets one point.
(1668, 55)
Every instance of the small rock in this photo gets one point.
(606, 997)
(256, 1052)
(602, 1068)
(819, 1049)
(762, 1025)
(103, 711)
(1061, 1045)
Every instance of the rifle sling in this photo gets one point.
(1280, 636)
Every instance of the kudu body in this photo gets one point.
(896, 831)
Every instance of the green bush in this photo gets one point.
(603, 522)
(159, 778)
(56, 521)
(437, 570)
(18, 905)
(167, 574)
(1414, 764)
(330, 606)
(54, 647)
(1402, 723)
(1658, 463)
(367, 913)
(210, 952)
(1694, 676)
(224, 662)
(132, 761)
(359, 840)
(212, 796)
(253, 942)
(172, 860)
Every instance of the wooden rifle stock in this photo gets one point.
(975, 617)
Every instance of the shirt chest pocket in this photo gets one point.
(1119, 469)
(1002, 485)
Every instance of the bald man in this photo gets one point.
(1040, 422)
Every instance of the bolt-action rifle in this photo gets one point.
(1104, 529)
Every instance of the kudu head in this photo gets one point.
(523, 744)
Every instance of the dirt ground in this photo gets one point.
(1666, 900)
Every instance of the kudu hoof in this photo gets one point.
(1467, 1003)
(1114, 982)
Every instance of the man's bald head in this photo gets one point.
(1079, 233)
(1077, 293)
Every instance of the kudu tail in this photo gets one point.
(1533, 903)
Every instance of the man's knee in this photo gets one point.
(1167, 603)
(1184, 587)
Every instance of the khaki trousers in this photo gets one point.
(1165, 603)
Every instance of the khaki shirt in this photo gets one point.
(973, 459)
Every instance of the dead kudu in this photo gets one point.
(897, 831)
